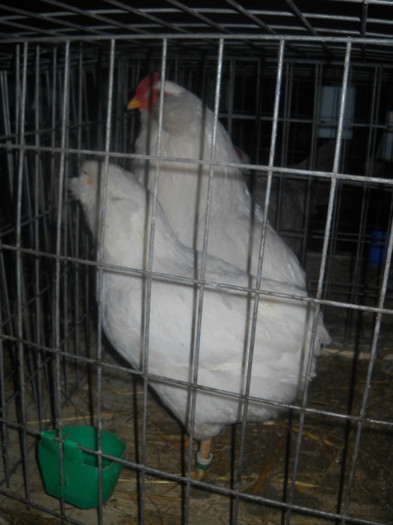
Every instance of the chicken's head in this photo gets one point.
(147, 93)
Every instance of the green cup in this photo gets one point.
(80, 468)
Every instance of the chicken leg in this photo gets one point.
(204, 459)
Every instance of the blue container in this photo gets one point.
(377, 251)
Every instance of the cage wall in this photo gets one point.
(325, 177)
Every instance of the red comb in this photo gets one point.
(145, 85)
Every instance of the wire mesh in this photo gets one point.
(66, 76)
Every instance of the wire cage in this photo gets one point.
(304, 90)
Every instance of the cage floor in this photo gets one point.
(267, 464)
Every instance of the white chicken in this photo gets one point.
(283, 331)
(288, 198)
(235, 223)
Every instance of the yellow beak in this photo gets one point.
(134, 104)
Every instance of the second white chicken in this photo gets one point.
(235, 221)
(283, 338)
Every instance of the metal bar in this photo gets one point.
(6, 117)
(146, 15)
(250, 14)
(149, 266)
(258, 279)
(197, 319)
(36, 234)
(57, 284)
(304, 20)
(5, 297)
(358, 285)
(5, 439)
(323, 260)
(198, 15)
(20, 277)
(375, 40)
(312, 163)
(33, 15)
(100, 256)
(91, 14)
(76, 237)
(367, 385)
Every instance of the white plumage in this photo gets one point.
(235, 224)
(288, 198)
(283, 331)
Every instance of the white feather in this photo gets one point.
(283, 330)
(235, 224)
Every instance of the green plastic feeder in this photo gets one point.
(80, 487)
